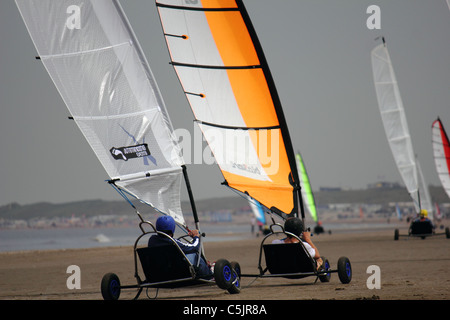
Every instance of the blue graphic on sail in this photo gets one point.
(399, 212)
(257, 210)
(137, 151)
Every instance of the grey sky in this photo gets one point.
(319, 55)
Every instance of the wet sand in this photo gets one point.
(410, 269)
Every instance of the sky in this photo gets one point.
(319, 56)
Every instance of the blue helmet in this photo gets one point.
(165, 224)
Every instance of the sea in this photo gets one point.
(78, 238)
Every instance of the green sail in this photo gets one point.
(307, 193)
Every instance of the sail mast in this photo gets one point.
(191, 196)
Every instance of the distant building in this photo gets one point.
(384, 185)
(329, 189)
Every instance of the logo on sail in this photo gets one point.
(245, 167)
(131, 152)
(137, 151)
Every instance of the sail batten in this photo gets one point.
(235, 127)
(221, 67)
(188, 65)
(205, 9)
(62, 55)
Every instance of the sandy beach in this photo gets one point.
(410, 269)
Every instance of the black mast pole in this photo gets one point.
(191, 196)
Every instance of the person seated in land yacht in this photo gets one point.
(166, 224)
(295, 226)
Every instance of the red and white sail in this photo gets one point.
(441, 151)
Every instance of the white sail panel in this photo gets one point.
(200, 46)
(234, 152)
(215, 102)
(98, 67)
(394, 119)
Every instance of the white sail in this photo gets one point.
(425, 198)
(95, 61)
(394, 119)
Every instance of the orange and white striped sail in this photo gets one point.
(222, 69)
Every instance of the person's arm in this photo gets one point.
(306, 236)
(191, 247)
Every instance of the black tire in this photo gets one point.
(396, 234)
(344, 270)
(326, 266)
(236, 286)
(110, 287)
(223, 274)
(447, 233)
